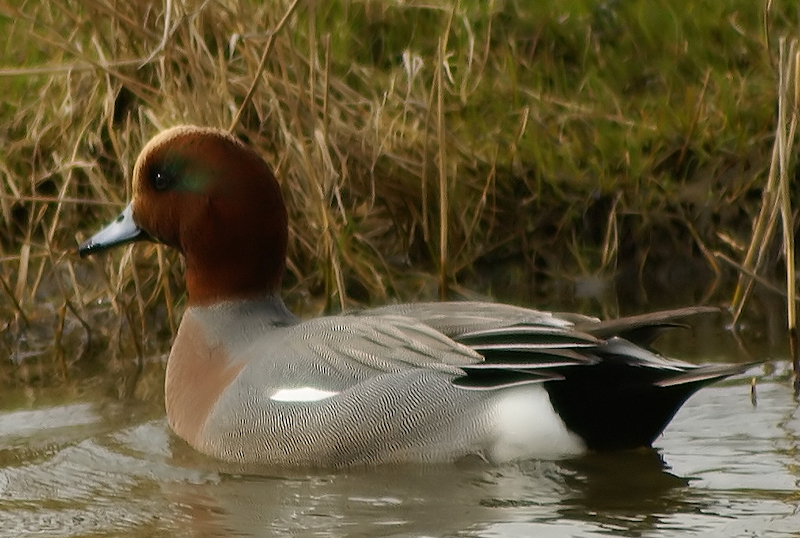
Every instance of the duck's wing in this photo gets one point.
(642, 329)
(366, 345)
(520, 345)
(359, 345)
(457, 318)
(515, 345)
(489, 346)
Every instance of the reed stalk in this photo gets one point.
(776, 200)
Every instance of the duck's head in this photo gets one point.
(206, 193)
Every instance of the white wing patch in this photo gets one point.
(301, 394)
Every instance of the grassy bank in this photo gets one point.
(592, 155)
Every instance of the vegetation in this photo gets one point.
(591, 155)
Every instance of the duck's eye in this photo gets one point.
(162, 180)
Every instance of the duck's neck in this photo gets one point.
(246, 319)
(227, 278)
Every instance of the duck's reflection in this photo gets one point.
(628, 492)
(622, 479)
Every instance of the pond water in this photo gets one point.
(81, 465)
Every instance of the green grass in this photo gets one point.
(616, 140)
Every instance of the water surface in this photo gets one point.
(81, 464)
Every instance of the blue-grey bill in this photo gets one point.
(123, 230)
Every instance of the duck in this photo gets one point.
(249, 382)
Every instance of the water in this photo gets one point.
(81, 464)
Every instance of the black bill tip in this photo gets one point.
(122, 231)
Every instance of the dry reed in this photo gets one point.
(776, 201)
(567, 141)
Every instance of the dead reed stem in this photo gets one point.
(776, 199)
(443, 187)
(262, 64)
(790, 90)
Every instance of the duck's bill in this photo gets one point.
(120, 232)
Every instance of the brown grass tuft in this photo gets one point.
(534, 153)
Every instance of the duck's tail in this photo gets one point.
(615, 405)
(603, 379)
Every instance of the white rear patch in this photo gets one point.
(301, 394)
(528, 427)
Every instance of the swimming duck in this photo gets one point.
(247, 381)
